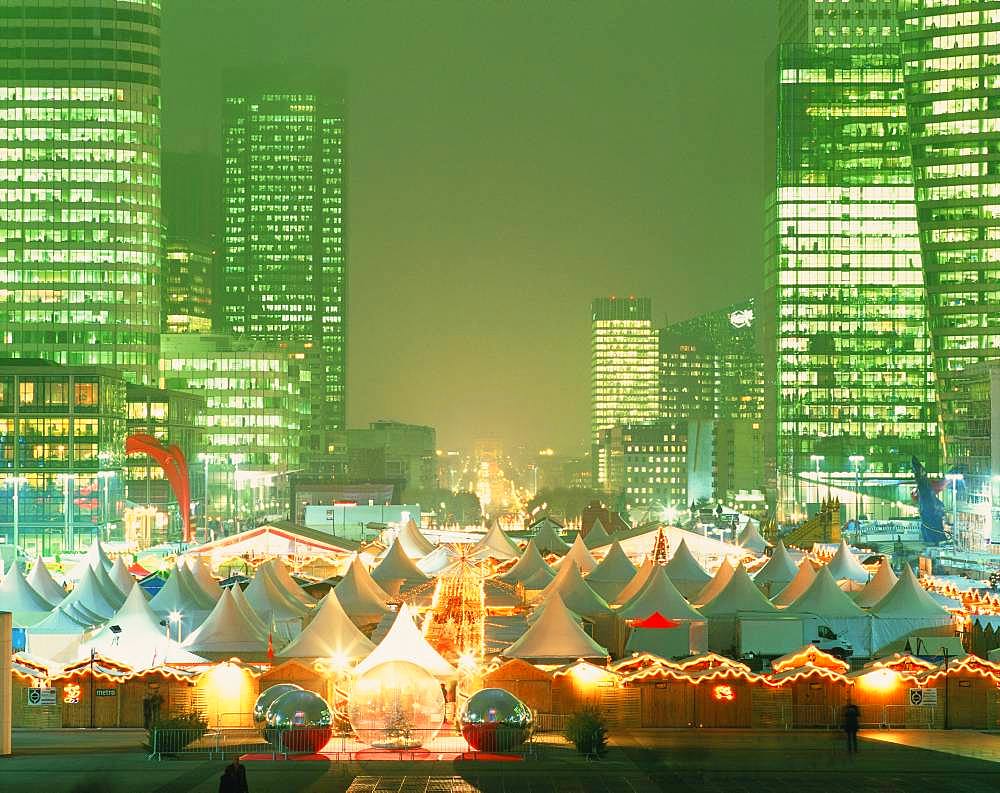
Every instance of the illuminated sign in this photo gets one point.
(41, 696)
(106, 692)
(71, 694)
(724, 693)
(743, 318)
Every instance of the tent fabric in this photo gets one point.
(413, 542)
(397, 571)
(88, 602)
(200, 572)
(362, 598)
(612, 574)
(537, 611)
(547, 539)
(779, 571)
(528, 565)
(278, 570)
(115, 596)
(579, 554)
(226, 631)
(656, 620)
(659, 595)
(555, 637)
(178, 595)
(261, 625)
(271, 603)
(704, 548)
(495, 544)
(575, 592)
(437, 561)
(717, 584)
(537, 581)
(750, 539)
(685, 572)
(739, 595)
(680, 642)
(825, 599)
(803, 579)
(330, 634)
(94, 554)
(907, 599)
(41, 580)
(876, 589)
(405, 642)
(633, 587)
(598, 536)
(846, 565)
(121, 577)
(27, 605)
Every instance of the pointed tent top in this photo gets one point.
(227, 630)
(495, 544)
(533, 615)
(88, 601)
(41, 580)
(203, 577)
(17, 596)
(405, 642)
(437, 561)
(780, 568)
(114, 595)
(397, 567)
(575, 592)
(825, 599)
(578, 553)
(528, 565)
(739, 595)
(633, 587)
(547, 540)
(717, 584)
(93, 555)
(360, 596)
(278, 571)
(597, 536)
(685, 572)
(615, 570)
(656, 621)
(555, 637)
(177, 594)
(846, 565)
(262, 627)
(751, 540)
(269, 600)
(121, 577)
(876, 589)
(414, 543)
(659, 595)
(907, 599)
(330, 634)
(802, 581)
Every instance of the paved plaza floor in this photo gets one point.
(639, 761)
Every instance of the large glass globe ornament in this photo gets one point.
(298, 721)
(396, 705)
(494, 720)
(267, 696)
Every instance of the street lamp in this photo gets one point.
(816, 460)
(857, 460)
(175, 619)
(16, 482)
(954, 479)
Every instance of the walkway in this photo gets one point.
(964, 743)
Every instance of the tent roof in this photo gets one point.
(845, 564)
(495, 544)
(638, 581)
(278, 570)
(114, 595)
(908, 599)
(94, 554)
(41, 580)
(536, 612)
(685, 571)
(803, 579)
(89, 602)
(405, 642)
(209, 584)
(615, 570)
(416, 545)
(121, 577)
(359, 594)
(397, 566)
(597, 536)
(226, 630)
(547, 540)
(825, 599)
(555, 636)
(529, 564)
(330, 634)
(717, 584)
(62, 620)
(780, 568)
(578, 553)
(739, 595)
(437, 561)
(279, 538)
(642, 541)
(750, 539)
(575, 592)
(17, 596)
(270, 601)
(240, 598)
(876, 589)
(180, 593)
(658, 595)
(656, 621)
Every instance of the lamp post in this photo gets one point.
(16, 482)
(175, 619)
(954, 479)
(857, 460)
(816, 460)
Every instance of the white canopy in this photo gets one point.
(750, 539)
(907, 599)
(633, 587)
(547, 538)
(536, 612)
(397, 571)
(18, 597)
(846, 565)
(93, 555)
(89, 602)
(611, 576)
(876, 589)
(41, 580)
(200, 572)
(555, 637)
(121, 577)
(778, 572)
(528, 565)
(803, 579)
(437, 561)
(579, 554)
(181, 594)
(825, 599)
(270, 601)
(361, 597)
(703, 548)
(660, 595)
(575, 592)
(716, 585)
(597, 536)
(414, 543)
(739, 595)
(226, 631)
(405, 642)
(685, 572)
(495, 544)
(261, 625)
(330, 634)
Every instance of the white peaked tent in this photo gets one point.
(437, 561)
(364, 601)
(803, 579)
(204, 599)
(114, 595)
(611, 576)
(660, 595)
(180, 594)
(405, 642)
(226, 632)
(778, 573)
(716, 585)
(825, 603)
(739, 595)
(750, 539)
(495, 544)
(278, 570)
(845, 564)
(56, 637)
(330, 634)
(876, 589)
(598, 536)
(702, 547)
(203, 576)
(276, 608)
(685, 572)
(18, 597)
(41, 580)
(579, 554)
(555, 637)
(416, 545)
(93, 555)
(121, 577)
(575, 593)
(633, 587)
(140, 642)
(530, 563)
(547, 539)
(397, 571)
(261, 622)
(536, 612)
(89, 602)
(907, 610)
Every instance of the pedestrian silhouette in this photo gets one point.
(852, 718)
(234, 778)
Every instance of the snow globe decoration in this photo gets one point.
(494, 720)
(299, 721)
(396, 705)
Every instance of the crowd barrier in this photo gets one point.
(831, 717)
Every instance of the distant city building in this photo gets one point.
(845, 23)
(80, 225)
(62, 447)
(187, 286)
(395, 452)
(624, 371)
(646, 464)
(285, 252)
(689, 376)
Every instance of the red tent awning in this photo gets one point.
(655, 620)
(138, 570)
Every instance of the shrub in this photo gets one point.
(588, 731)
(176, 732)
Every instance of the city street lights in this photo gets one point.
(16, 482)
(816, 460)
(954, 479)
(857, 460)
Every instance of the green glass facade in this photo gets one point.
(285, 260)
(188, 272)
(80, 228)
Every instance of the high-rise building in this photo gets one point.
(285, 261)
(80, 229)
(647, 464)
(624, 370)
(188, 271)
(395, 452)
(845, 327)
(951, 68)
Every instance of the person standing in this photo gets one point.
(852, 719)
(234, 778)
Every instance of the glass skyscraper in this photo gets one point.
(80, 230)
(285, 265)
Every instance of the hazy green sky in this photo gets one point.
(508, 162)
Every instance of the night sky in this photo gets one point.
(509, 162)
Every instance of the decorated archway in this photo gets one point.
(171, 460)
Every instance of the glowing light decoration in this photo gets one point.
(396, 705)
(72, 694)
(724, 693)
(299, 721)
(494, 720)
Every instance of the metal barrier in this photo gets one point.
(871, 716)
(814, 716)
(909, 716)
(551, 722)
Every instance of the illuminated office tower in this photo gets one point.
(951, 63)
(624, 369)
(187, 286)
(845, 332)
(80, 240)
(284, 244)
